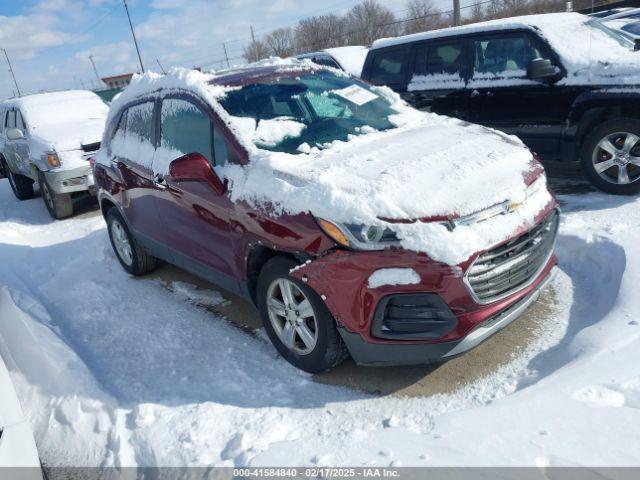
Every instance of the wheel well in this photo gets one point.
(105, 206)
(258, 256)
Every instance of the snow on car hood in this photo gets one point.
(70, 136)
(432, 167)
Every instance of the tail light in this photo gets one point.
(92, 161)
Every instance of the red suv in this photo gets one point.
(356, 224)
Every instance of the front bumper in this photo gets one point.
(73, 180)
(365, 353)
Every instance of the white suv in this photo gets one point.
(48, 138)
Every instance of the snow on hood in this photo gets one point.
(429, 166)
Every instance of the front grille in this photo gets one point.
(510, 267)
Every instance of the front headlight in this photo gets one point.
(359, 237)
(538, 184)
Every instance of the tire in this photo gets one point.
(138, 261)
(59, 205)
(605, 167)
(22, 186)
(328, 349)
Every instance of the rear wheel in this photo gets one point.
(133, 257)
(59, 205)
(22, 186)
(611, 156)
(296, 319)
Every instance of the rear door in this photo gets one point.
(9, 146)
(132, 149)
(198, 222)
(436, 79)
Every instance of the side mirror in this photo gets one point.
(636, 45)
(540, 68)
(195, 167)
(15, 134)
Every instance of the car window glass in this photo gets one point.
(437, 66)
(185, 128)
(223, 153)
(3, 120)
(20, 122)
(505, 57)
(326, 61)
(139, 121)
(11, 119)
(388, 67)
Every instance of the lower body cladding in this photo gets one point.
(72, 180)
(449, 311)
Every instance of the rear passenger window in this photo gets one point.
(186, 129)
(437, 67)
(140, 121)
(388, 67)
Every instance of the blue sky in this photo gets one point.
(50, 41)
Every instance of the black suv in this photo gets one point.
(568, 86)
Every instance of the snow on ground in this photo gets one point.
(114, 370)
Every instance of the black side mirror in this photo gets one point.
(540, 68)
(636, 45)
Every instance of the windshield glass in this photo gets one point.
(617, 36)
(293, 115)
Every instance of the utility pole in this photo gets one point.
(11, 70)
(225, 51)
(133, 33)
(456, 12)
(160, 65)
(253, 37)
(95, 70)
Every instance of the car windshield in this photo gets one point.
(294, 115)
(617, 36)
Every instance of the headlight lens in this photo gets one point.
(538, 184)
(359, 237)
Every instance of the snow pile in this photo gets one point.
(435, 81)
(413, 172)
(112, 371)
(393, 276)
(350, 58)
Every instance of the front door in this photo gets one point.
(21, 147)
(198, 221)
(500, 95)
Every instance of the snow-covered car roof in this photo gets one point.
(351, 58)
(584, 45)
(46, 99)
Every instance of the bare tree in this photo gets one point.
(255, 51)
(280, 42)
(422, 15)
(316, 33)
(369, 21)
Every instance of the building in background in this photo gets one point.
(118, 81)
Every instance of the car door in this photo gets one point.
(132, 151)
(198, 220)
(436, 79)
(21, 146)
(500, 95)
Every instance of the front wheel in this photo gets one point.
(610, 156)
(22, 186)
(59, 205)
(296, 319)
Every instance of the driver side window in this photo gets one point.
(504, 57)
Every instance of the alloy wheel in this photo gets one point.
(292, 316)
(121, 242)
(616, 158)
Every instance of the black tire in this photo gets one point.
(591, 155)
(329, 349)
(22, 186)
(59, 205)
(141, 261)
